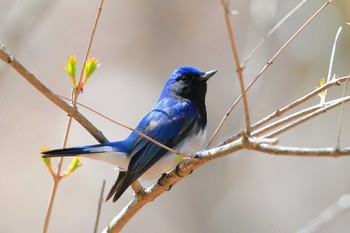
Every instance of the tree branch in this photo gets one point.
(16, 65)
(296, 151)
(185, 168)
(270, 62)
(239, 69)
(280, 112)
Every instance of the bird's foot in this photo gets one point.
(159, 182)
(177, 171)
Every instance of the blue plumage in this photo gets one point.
(178, 120)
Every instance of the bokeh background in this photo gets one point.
(139, 43)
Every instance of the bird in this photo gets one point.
(178, 121)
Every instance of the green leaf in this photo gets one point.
(71, 69)
(179, 158)
(74, 164)
(47, 161)
(321, 84)
(91, 65)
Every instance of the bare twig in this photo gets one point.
(264, 69)
(89, 47)
(297, 151)
(328, 105)
(223, 120)
(239, 69)
(270, 62)
(341, 117)
(282, 111)
(331, 61)
(327, 215)
(99, 208)
(16, 65)
(285, 120)
(261, 42)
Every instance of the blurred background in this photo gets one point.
(139, 43)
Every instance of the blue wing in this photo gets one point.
(168, 123)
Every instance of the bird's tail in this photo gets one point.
(76, 151)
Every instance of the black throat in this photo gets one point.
(195, 93)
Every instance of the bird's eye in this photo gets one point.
(185, 79)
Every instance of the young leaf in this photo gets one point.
(71, 69)
(322, 94)
(74, 164)
(91, 65)
(179, 158)
(47, 161)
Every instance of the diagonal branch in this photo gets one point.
(280, 112)
(185, 168)
(261, 42)
(16, 65)
(328, 105)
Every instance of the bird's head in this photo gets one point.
(189, 83)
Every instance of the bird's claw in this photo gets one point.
(159, 182)
(177, 171)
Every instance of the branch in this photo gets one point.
(280, 112)
(185, 168)
(239, 69)
(261, 42)
(16, 65)
(270, 62)
(99, 207)
(166, 182)
(327, 215)
(329, 105)
(296, 151)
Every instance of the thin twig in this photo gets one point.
(341, 117)
(327, 215)
(99, 208)
(331, 61)
(17, 66)
(223, 120)
(239, 69)
(285, 120)
(297, 151)
(57, 177)
(264, 69)
(282, 111)
(89, 46)
(332, 104)
(261, 42)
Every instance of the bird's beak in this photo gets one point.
(209, 74)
